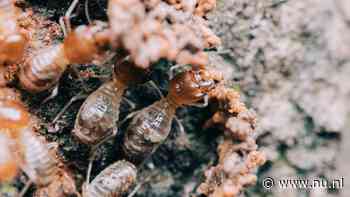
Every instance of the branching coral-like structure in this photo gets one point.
(238, 155)
(152, 30)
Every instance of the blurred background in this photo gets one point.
(291, 61)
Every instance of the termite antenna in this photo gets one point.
(94, 150)
(53, 94)
(132, 114)
(172, 70)
(65, 20)
(87, 14)
(25, 188)
(71, 101)
(76, 72)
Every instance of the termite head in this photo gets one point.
(12, 47)
(12, 38)
(13, 116)
(128, 73)
(191, 86)
(84, 43)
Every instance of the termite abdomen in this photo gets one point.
(8, 164)
(151, 126)
(99, 114)
(44, 69)
(9, 94)
(39, 164)
(13, 117)
(97, 117)
(113, 181)
(147, 131)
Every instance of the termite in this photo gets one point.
(39, 164)
(151, 126)
(13, 115)
(9, 94)
(43, 70)
(13, 119)
(12, 39)
(99, 114)
(43, 168)
(97, 118)
(64, 185)
(8, 163)
(31, 153)
(113, 181)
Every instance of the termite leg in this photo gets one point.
(130, 115)
(130, 103)
(84, 188)
(223, 52)
(139, 185)
(154, 85)
(69, 13)
(77, 73)
(91, 161)
(181, 127)
(54, 93)
(63, 26)
(52, 146)
(25, 188)
(94, 150)
(65, 20)
(182, 135)
(87, 11)
(135, 190)
(172, 70)
(78, 194)
(71, 101)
